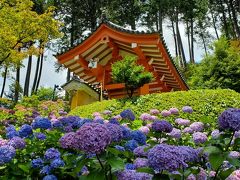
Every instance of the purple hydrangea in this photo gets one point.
(7, 153)
(115, 132)
(42, 123)
(37, 163)
(68, 129)
(17, 143)
(197, 126)
(56, 163)
(131, 145)
(162, 126)
(154, 112)
(68, 140)
(202, 175)
(140, 162)
(11, 132)
(130, 166)
(120, 148)
(107, 112)
(52, 154)
(84, 171)
(66, 121)
(230, 119)
(234, 154)
(93, 138)
(141, 151)
(144, 129)
(46, 170)
(215, 134)
(235, 175)
(118, 117)
(98, 118)
(187, 109)
(174, 111)
(96, 114)
(145, 117)
(187, 130)
(50, 177)
(199, 138)
(25, 130)
(139, 136)
(114, 121)
(100, 121)
(128, 114)
(182, 122)
(40, 136)
(3, 142)
(133, 175)
(165, 113)
(153, 118)
(175, 133)
(56, 123)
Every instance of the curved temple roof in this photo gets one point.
(111, 42)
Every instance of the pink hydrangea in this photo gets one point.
(144, 129)
(3, 142)
(145, 117)
(149, 125)
(235, 175)
(174, 111)
(153, 118)
(96, 114)
(187, 130)
(154, 112)
(175, 133)
(118, 117)
(165, 113)
(182, 122)
(197, 126)
(212, 174)
(199, 138)
(107, 112)
(98, 117)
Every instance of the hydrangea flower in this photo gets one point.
(132, 174)
(120, 148)
(98, 118)
(42, 123)
(96, 114)
(187, 109)
(202, 175)
(118, 117)
(7, 153)
(107, 112)
(140, 162)
(46, 170)
(84, 171)
(93, 138)
(115, 132)
(126, 132)
(145, 117)
(100, 121)
(162, 126)
(141, 151)
(52, 154)
(235, 175)
(50, 177)
(37, 163)
(67, 141)
(66, 121)
(68, 129)
(175, 133)
(191, 177)
(197, 126)
(212, 174)
(40, 136)
(11, 132)
(199, 138)
(230, 119)
(56, 163)
(182, 122)
(25, 130)
(131, 145)
(17, 143)
(188, 130)
(3, 142)
(215, 134)
(127, 114)
(114, 121)
(130, 166)
(144, 129)
(174, 111)
(139, 137)
(165, 113)
(154, 112)
(153, 118)
(234, 154)
(56, 123)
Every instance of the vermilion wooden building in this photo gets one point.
(110, 43)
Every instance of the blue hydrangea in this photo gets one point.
(126, 132)
(139, 136)
(68, 129)
(42, 123)
(52, 154)
(56, 123)
(120, 148)
(84, 171)
(128, 115)
(50, 177)
(7, 153)
(133, 175)
(162, 126)
(130, 166)
(40, 136)
(230, 119)
(37, 163)
(100, 121)
(46, 170)
(70, 120)
(131, 145)
(11, 132)
(114, 121)
(25, 130)
(56, 163)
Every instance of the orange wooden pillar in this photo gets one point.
(144, 89)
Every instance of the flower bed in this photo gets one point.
(157, 144)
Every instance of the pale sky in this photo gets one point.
(50, 77)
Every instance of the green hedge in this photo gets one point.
(207, 104)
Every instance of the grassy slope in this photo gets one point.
(207, 104)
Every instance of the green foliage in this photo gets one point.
(45, 93)
(128, 72)
(207, 104)
(219, 70)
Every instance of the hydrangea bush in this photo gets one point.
(123, 146)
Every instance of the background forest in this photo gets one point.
(30, 28)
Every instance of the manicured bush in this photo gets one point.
(206, 104)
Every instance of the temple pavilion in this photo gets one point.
(91, 62)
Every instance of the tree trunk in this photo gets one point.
(17, 85)
(231, 20)
(224, 19)
(40, 72)
(189, 44)
(184, 62)
(178, 43)
(160, 21)
(204, 44)
(36, 75)
(192, 42)
(4, 80)
(214, 24)
(235, 20)
(27, 78)
(175, 39)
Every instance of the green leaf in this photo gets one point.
(146, 170)
(116, 164)
(24, 167)
(225, 174)
(212, 150)
(216, 159)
